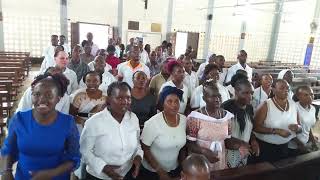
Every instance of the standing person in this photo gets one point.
(287, 75)
(195, 166)
(209, 60)
(130, 45)
(62, 42)
(164, 49)
(219, 61)
(159, 57)
(158, 80)
(211, 72)
(242, 141)
(190, 79)
(63, 105)
(242, 64)
(276, 123)
(107, 67)
(170, 54)
(75, 64)
(94, 47)
(43, 141)
(208, 127)
(263, 92)
(144, 103)
(48, 54)
(153, 65)
(99, 66)
(144, 55)
(306, 111)
(61, 61)
(177, 76)
(163, 138)
(126, 69)
(118, 127)
(122, 52)
(86, 56)
(112, 60)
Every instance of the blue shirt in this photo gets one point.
(39, 147)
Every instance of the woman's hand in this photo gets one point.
(282, 132)
(163, 175)
(109, 170)
(7, 175)
(79, 120)
(294, 127)
(210, 155)
(255, 149)
(244, 150)
(137, 164)
(43, 175)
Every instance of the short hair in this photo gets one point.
(117, 85)
(219, 57)
(239, 79)
(58, 80)
(244, 52)
(295, 96)
(208, 68)
(93, 73)
(83, 43)
(196, 161)
(134, 74)
(169, 45)
(56, 53)
(54, 36)
(62, 36)
(111, 48)
(277, 81)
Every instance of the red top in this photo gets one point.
(112, 61)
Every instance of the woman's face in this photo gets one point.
(288, 76)
(212, 98)
(281, 90)
(44, 97)
(140, 80)
(178, 74)
(171, 104)
(120, 100)
(244, 94)
(305, 96)
(62, 59)
(93, 81)
(213, 74)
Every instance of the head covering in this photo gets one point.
(282, 73)
(171, 64)
(167, 90)
(208, 56)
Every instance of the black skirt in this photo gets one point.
(272, 152)
(145, 174)
(127, 177)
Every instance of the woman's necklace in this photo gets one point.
(277, 104)
(165, 119)
(219, 113)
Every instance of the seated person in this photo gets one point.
(76, 65)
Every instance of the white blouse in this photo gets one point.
(105, 141)
(308, 120)
(192, 81)
(258, 97)
(197, 101)
(165, 142)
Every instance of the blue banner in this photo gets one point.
(307, 57)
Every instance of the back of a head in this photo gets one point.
(238, 77)
(196, 164)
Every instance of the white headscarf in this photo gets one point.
(208, 56)
(282, 73)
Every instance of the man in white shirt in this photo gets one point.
(94, 47)
(242, 64)
(128, 68)
(107, 77)
(190, 78)
(219, 61)
(61, 61)
(66, 46)
(48, 54)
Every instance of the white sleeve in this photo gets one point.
(147, 71)
(66, 106)
(195, 101)
(229, 74)
(139, 151)
(82, 84)
(74, 85)
(25, 101)
(87, 142)
(149, 132)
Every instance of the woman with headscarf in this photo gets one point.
(209, 60)
(287, 75)
(163, 138)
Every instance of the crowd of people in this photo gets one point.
(137, 113)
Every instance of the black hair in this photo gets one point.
(169, 45)
(210, 84)
(275, 82)
(54, 35)
(58, 80)
(117, 85)
(111, 48)
(48, 69)
(164, 42)
(134, 74)
(62, 36)
(208, 68)
(94, 73)
(244, 52)
(56, 53)
(83, 43)
(238, 79)
(295, 96)
(219, 57)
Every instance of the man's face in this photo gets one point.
(62, 39)
(89, 37)
(54, 40)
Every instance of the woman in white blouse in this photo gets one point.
(263, 92)
(110, 140)
(306, 112)
(163, 138)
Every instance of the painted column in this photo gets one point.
(208, 28)
(64, 18)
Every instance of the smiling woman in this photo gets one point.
(43, 141)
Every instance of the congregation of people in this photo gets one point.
(141, 112)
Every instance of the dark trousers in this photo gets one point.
(145, 174)
(272, 152)
(128, 176)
